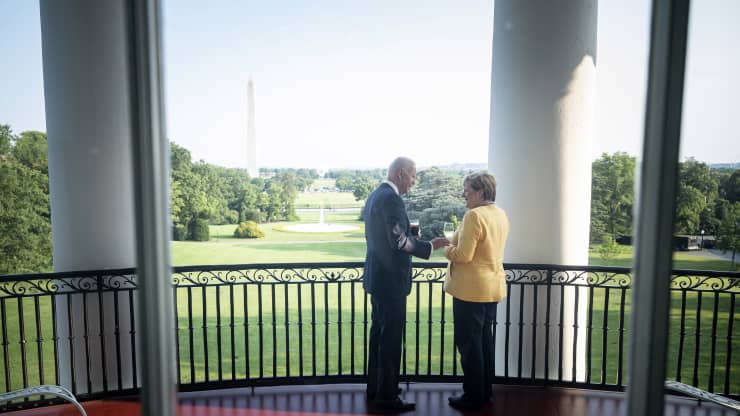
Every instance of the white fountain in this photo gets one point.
(320, 227)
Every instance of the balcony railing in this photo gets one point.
(270, 324)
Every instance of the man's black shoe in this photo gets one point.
(463, 403)
(397, 404)
(371, 397)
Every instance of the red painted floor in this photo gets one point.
(348, 399)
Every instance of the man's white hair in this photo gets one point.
(398, 164)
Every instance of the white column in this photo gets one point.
(88, 121)
(542, 106)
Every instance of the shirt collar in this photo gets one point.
(392, 185)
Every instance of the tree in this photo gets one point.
(344, 183)
(612, 195)
(436, 188)
(180, 160)
(273, 203)
(205, 194)
(731, 187)
(697, 190)
(432, 219)
(258, 183)
(608, 249)
(436, 199)
(241, 195)
(6, 139)
(698, 175)
(214, 186)
(709, 218)
(248, 229)
(689, 205)
(199, 230)
(728, 233)
(288, 194)
(189, 202)
(25, 220)
(363, 186)
(305, 177)
(196, 201)
(30, 149)
(25, 214)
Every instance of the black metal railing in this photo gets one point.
(270, 324)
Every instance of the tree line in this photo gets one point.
(435, 199)
(203, 194)
(707, 200)
(25, 213)
(360, 182)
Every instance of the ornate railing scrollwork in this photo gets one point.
(704, 283)
(67, 283)
(529, 274)
(228, 318)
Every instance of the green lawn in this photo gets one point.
(329, 321)
(274, 233)
(279, 246)
(290, 350)
(327, 200)
(681, 260)
(437, 355)
(293, 345)
(284, 246)
(322, 183)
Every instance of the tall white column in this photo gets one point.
(88, 122)
(542, 107)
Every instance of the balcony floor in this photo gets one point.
(348, 399)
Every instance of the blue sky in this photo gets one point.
(352, 84)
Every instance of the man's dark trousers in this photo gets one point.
(384, 355)
(474, 341)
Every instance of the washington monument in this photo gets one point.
(251, 133)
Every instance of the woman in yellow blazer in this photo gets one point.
(476, 281)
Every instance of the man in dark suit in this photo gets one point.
(387, 279)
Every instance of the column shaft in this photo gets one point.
(542, 105)
(88, 122)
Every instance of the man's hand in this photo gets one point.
(438, 242)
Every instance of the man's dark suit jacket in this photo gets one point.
(389, 244)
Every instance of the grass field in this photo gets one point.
(434, 338)
(322, 183)
(279, 246)
(293, 340)
(681, 260)
(327, 200)
(290, 350)
(285, 246)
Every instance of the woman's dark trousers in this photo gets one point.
(474, 340)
